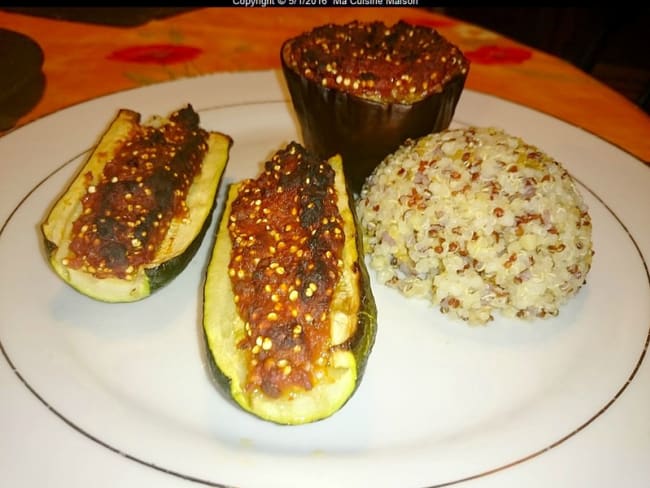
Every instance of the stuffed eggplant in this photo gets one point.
(361, 89)
(136, 213)
(289, 316)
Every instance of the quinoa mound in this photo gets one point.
(477, 221)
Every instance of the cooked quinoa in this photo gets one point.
(477, 221)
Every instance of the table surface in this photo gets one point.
(84, 60)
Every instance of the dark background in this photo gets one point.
(611, 44)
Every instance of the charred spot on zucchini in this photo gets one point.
(289, 316)
(136, 213)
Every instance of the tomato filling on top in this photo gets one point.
(142, 189)
(287, 237)
(401, 63)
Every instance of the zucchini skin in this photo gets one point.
(165, 272)
(222, 327)
(363, 341)
(182, 240)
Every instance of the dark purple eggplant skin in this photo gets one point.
(363, 131)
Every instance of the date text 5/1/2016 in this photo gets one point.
(304, 3)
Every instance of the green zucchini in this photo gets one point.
(148, 161)
(351, 321)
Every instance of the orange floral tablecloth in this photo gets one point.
(86, 60)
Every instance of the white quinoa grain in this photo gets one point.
(477, 221)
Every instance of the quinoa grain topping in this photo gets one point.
(401, 63)
(287, 237)
(126, 214)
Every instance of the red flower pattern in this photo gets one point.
(494, 54)
(162, 54)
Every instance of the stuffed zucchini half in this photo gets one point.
(289, 316)
(136, 213)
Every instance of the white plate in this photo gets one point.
(119, 395)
